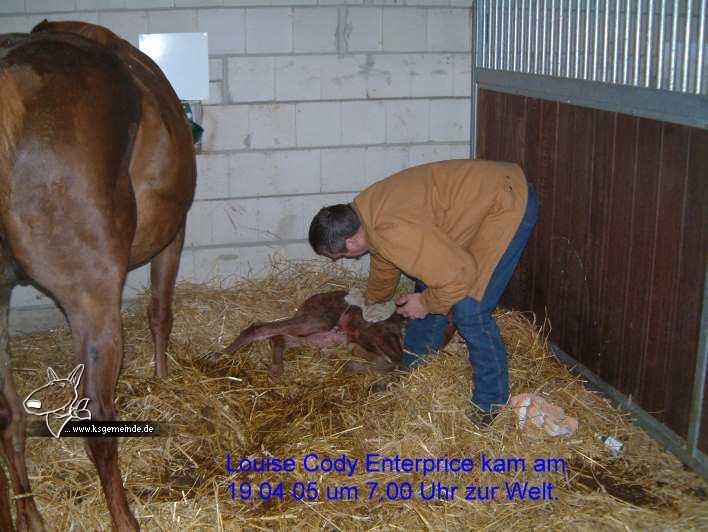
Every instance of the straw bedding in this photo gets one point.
(179, 482)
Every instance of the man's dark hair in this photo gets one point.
(331, 227)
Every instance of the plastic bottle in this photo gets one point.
(611, 444)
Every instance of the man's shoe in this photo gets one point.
(481, 419)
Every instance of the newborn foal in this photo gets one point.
(327, 319)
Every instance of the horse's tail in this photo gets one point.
(12, 114)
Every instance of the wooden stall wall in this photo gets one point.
(617, 260)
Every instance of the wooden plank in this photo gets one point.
(577, 216)
(483, 122)
(596, 263)
(618, 256)
(525, 271)
(663, 302)
(495, 117)
(691, 275)
(561, 252)
(618, 248)
(514, 132)
(531, 166)
(543, 154)
(643, 236)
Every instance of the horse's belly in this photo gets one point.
(156, 228)
(163, 175)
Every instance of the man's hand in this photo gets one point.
(411, 306)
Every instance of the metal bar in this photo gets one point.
(543, 38)
(552, 50)
(569, 18)
(490, 37)
(650, 38)
(661, 433)
(502, 40)
(478, 38)
(674, 40)
(596, 40)
(637, 43)
(522, 36)
(615, 55)
(577, 39)
(676, 107)
(687, 46)
(508, 34)
(587, 42)
(699, 377)
(496, 35)
(606, 42)
(625, 59)
(536, 32)
(505, 34)
(516, 46)
(561, 41)
(660, 67)
(483, 39)
(528, 36)
(485, 36)
(500, 34)
(489, 15)
(479, 14)
(701, 45)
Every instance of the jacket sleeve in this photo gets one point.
(383, 280)
(428, 254)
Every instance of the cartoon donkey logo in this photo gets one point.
(58, 401)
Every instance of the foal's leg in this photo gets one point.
(298, 325)
(95, 321)
(277, 344)
(12, 429)
(377, 362)
(163, 273)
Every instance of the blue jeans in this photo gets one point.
(476, 325)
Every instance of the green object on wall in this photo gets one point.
(197, 130)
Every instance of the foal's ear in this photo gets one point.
(51, 375)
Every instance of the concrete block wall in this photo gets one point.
(310, 102)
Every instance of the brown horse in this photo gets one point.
(97, 172)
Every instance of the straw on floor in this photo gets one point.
(180, 481)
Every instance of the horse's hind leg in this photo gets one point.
(87, 283)
(94, 316)
(12, 427)
(163, 273)
(5, 512)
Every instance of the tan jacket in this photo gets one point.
(446, 223)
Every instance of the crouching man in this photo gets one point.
(458, 228)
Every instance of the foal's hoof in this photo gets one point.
(379, 387)
(213, 357)
(213, 364)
